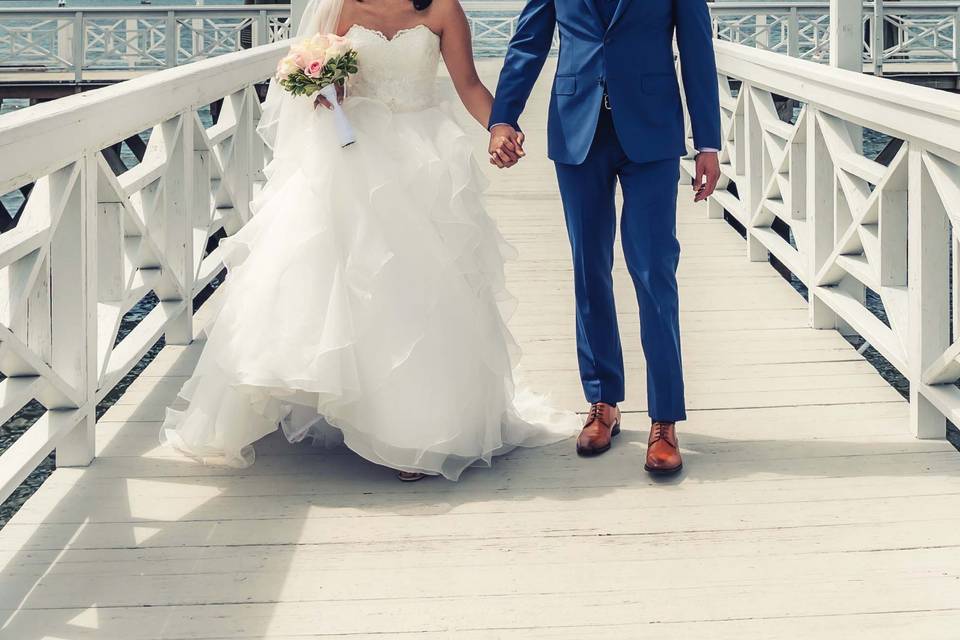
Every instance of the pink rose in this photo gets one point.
(313, 69)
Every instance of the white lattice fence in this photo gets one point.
(848, 227)
(91, 243)
(798, 29)
(35, 40)
(141, 38)
(895, 34)
(919, 34)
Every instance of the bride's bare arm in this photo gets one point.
(457, 48)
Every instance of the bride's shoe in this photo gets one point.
(407, 476)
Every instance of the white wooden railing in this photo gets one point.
(139, 38)
(900, 36)
(87, 40)
(855, 224)
(91, 243)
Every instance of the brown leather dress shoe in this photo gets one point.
(603, 422)
(663, 450)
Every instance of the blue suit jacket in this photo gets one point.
(633, 56)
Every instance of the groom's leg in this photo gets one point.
(648, 233)
(587, 191)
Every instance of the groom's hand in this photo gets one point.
(708, 173)
(506, 145)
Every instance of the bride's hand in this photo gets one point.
(321, 101)
(506, 146)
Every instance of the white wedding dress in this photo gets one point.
(365, 301)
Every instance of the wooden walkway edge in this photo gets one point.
(806, 509)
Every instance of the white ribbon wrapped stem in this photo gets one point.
(340, 121)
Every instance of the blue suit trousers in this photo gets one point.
(648, 236)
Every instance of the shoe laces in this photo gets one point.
(596, 414)
(659, 431)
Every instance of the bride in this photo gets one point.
(366, 300)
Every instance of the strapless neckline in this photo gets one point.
(400, 71)
(396, 35)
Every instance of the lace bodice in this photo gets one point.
(401, 71)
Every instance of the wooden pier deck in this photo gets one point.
(806, 509)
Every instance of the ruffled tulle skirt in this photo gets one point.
(366, 304)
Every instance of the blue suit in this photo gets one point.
(624, 49)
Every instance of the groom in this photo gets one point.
(616, 115)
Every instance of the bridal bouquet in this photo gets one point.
(320, 64)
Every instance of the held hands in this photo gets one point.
(506, 146)
(320, 101)
(708, 173)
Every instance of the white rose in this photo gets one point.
(338, 46)
(286, 66)
(319, 42)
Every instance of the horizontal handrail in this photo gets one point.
(48, 135)
(894, 108)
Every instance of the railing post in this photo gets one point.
(753, 169)
(258, 149)
(846, 34)
(876, 38)
(73, 292)
(261, 28)
(171, 39)
(65, 34)
(762, 32)
(241, 167)
(78, 46)
(956, 41)
(819, 201)
(130, 31)
(846, 52)
(846, 46)
(793, 33)
(927, 274)
(181, 212)
(197, 39)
